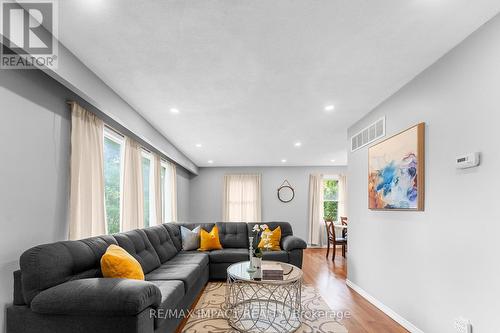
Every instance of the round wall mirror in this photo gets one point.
(286, 193)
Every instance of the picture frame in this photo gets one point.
(396, 171)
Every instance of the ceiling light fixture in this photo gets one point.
(297, 144)
(330, 107)
(198, 145)
(210, 162)
(174, 110)
(283, 161)
(333, 161)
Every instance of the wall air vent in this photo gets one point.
(368, 134)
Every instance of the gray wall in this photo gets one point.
(206, 193)
(433, 266)
(34, 145)
(34, 173)
(183, 178)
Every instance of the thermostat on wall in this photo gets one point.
(467, 161)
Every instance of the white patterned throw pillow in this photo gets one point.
(190, 238)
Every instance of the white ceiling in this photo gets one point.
(252, 77)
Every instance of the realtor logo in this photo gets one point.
(29, 34)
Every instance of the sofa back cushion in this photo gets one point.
(48, 265)
(162, 242)
(174, 232)
(205, 226)
(138, 245)
(233, 234)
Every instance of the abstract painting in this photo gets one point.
(396, 171)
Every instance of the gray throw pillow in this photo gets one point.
(190, 238)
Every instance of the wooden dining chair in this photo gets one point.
(333, 240)
(343, 221)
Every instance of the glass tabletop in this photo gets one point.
(239, 271)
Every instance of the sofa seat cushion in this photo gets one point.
(97, 297)
(187, 273)
(189, 257)
(275, 256)
(172, 293)
(228, 255)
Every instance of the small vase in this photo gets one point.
(251, 267)
(257, 262)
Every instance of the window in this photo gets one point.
(148, 189)
(330, 198)
(242, 198)
(113, 154)
(113, 181)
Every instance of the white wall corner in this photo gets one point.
(384, 308)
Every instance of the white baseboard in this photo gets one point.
(382, 307)
(311, 246)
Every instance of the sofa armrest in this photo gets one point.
(289, 243)
(98, 297)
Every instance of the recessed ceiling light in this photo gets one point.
(330, 107)
(210, 162)
(297, 144)
(283, 161)
(333, 161)
(198, 145)
(174, 110)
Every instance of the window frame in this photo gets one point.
(324, 179)
(111, 134)
(118, 138)
(152, 200)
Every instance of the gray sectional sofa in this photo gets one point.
(60, 288)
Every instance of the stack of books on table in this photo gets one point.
(271, 271)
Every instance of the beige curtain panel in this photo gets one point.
(87, 215)
(242, 198)
(316, 224)
(132, 208)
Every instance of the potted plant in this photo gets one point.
(256, 254)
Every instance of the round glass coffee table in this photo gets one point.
(256, 306)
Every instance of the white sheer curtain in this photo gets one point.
(316, 224)
(87, 216)
(242, 198)
(342, 196)
(158, 197)
(133, 193)
(173, 192)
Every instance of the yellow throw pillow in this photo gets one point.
(118, 263)
(210, 240)
(274, 239)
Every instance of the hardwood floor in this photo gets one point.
(329, 278)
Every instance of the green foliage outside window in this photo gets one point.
(330, 199)
(112, 161)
